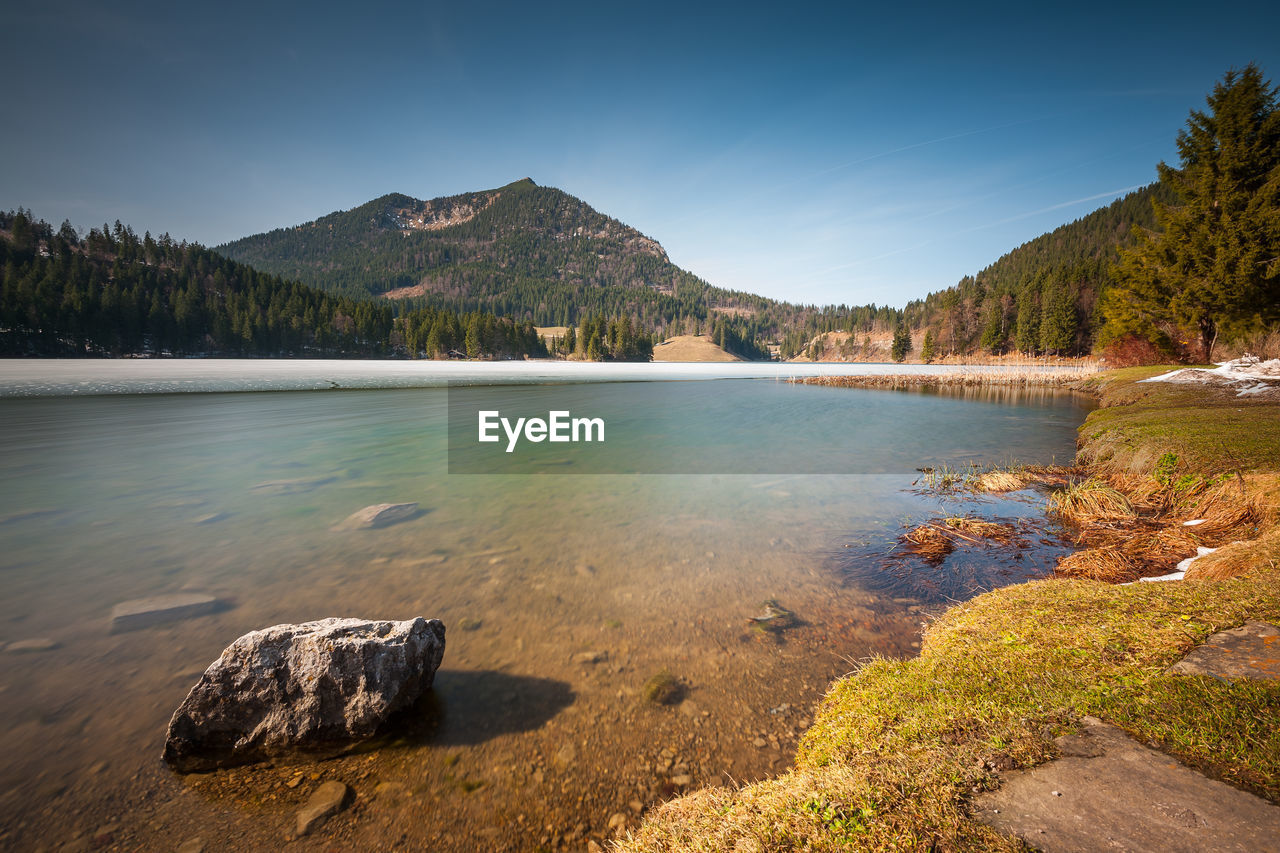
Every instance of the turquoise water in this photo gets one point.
(707, 498)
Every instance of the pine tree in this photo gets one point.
(993, 330)
(473, 337)
(927, 349)
(1057, 318)
(435, 345)
(1216, 263)
(901, 342)
(1027, 333)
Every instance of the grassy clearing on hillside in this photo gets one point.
(898, 747)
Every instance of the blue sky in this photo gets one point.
(816, 153)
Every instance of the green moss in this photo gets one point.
(1207, 428)
(662, 688)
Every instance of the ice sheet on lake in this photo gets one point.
(76, 377)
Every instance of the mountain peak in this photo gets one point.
(521, 247)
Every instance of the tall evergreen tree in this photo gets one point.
(1027, 330)
(901, 342)
(1216, 264)
(1057, 318)
(929, 347)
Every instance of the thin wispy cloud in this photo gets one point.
(1030, 213)
(949, 138)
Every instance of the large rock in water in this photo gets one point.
(313, 688)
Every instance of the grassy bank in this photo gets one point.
(899, 747)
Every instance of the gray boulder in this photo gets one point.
(314, 688)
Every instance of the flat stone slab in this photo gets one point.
(32, 644)
(378, 515)
(142, 612)
(296, 486)
(1109, 792)
(327, 799)
(1250, 651)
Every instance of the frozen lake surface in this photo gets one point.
(59, 377)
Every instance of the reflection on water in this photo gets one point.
(562, 596)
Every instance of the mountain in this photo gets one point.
(531, 252)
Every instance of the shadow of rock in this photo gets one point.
(471, 707)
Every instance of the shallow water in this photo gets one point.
(523, 745)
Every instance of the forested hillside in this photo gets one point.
(1042, 297)
(112, 293)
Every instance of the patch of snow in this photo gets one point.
(1180, 570)
(1194, 522)
(1249, 369)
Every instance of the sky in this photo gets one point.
(817, 153)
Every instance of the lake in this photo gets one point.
(567, 576)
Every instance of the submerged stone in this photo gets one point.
(142, 612)
(327, 799)
(314, 688)
(378, 515)
(296, 486)
(32, 644)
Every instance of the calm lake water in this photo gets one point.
(562, 593)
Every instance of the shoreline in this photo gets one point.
(899, 749)
(1064, 377)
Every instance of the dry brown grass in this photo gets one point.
(1227, 509)
(934, 540)
(1091, 501)
(1110, 564)
(1153, 539)
(928, 541)
(993, 531)
(1017, 377)
(1020, 477)
(1238, 558)
(1000, 480)
(1176, 541)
